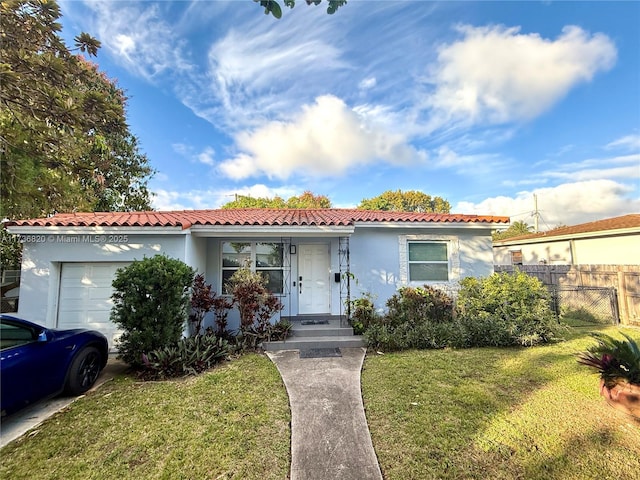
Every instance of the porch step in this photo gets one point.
(306, 342)
(331, 330)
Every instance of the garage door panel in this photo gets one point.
(85, 297)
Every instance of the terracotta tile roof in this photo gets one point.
(605, 225)
(248, 216)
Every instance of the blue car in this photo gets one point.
(38, 363)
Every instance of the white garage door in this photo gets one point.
(85, 297)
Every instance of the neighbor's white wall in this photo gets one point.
(41, 267)
(621, 250)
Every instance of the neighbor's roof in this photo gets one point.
(607, 226)
(248, 217)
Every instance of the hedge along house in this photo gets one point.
(314, 260)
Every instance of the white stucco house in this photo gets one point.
(70, 260)
(611, 241)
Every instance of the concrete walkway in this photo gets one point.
(329, 434)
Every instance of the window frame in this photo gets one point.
(446, 262)
(253, 256)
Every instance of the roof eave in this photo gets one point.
(93, 229)
(430, 225)
(558, 238)
(271, 230)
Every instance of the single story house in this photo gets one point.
(314, 259)
(612, 241)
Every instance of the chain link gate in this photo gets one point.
(586, 305)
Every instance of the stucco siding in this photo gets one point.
(41, 264)
(611, 250)
(377, 260)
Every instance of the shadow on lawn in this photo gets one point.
(498, 413)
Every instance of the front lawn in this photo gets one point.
(231, 422)
(530, 413)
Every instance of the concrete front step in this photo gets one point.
(320, 331)
(301, 343)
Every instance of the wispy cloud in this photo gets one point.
(139, 38)
(628, 143)
(215, 198)
(205, 156)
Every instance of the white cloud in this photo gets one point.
(215, 198)
(325, 139)
(622, 167)
(628, 142)
(496, 74)
(138, 38)
(568, 203)
(367, 83)
(206, 156)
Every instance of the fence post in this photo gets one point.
(613, 298)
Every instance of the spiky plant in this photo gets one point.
(615, 360)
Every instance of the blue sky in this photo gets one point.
(482, 103)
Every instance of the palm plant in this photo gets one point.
(617, 361)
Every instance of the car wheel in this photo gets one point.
(84, 371)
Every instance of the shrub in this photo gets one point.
(419, 317)
(188, 356)
(418, 305)
(150, 304)
(203, 300)
(250, 338)
(362, 313)
(505, 309)
(255, 303)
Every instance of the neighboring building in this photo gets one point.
(612, 241)
(70, 260)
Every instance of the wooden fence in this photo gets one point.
(624, 278)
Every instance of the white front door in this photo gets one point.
(314, 287)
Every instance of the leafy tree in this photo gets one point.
(409, 201)
(10, 249)
(64, 141)
(306, 200)
(151, 304)
(273, 7)
(515, 230)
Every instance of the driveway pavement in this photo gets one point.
(21, 422)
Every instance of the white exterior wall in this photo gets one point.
(41, 263)
(377, 259)
(378, 263)
(612, 250)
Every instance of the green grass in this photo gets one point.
(496, 413)
(231, 422)
(530, 413)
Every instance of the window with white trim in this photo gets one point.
(428, 261)
(263, 257)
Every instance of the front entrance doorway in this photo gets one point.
(314, 287)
